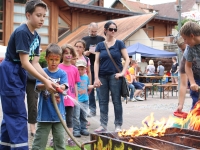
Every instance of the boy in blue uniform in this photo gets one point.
(23, 46)
(190, 32)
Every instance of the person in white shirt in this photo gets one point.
(142, 66)
(151, 68)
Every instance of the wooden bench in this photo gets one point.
(166, 88)
(147, 86)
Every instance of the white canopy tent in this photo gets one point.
(194, 15)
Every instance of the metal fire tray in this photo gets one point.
(174, 139)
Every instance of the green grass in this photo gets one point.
(72, 148)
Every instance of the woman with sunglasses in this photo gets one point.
(107, 77)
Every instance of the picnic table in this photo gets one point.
(166, 88)
(150, 79)
(151, 83)
(149, 87)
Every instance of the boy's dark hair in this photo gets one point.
(53, 48)
(107, 25)
(159, 62)
(32, 4)
(189, 28)
(72, 51)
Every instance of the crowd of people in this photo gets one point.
(78, 69)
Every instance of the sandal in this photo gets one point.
(100, 129)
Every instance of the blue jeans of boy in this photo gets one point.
(194, 94)
(110, 83)
(80, 117)
(132, 88)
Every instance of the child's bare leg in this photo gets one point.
(136, 93)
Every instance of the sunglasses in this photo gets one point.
(111, 29)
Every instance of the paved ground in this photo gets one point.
(135, 112)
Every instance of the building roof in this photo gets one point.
(168, 9)
(107, 11)
(126, 27)
(135, 6)
(81, 1)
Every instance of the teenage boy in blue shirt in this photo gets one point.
(23, 46)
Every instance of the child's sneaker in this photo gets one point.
(139, 98)
(71, 143)
(133, 99)
(51, 143)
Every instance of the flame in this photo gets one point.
(152, 127)
(194, 117)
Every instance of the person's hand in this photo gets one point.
(87, 53)
(117, 75)
(97, 83)
(180, 107)
(89, 91)
(50, 86)
(194, 87)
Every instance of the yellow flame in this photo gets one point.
(154, 127)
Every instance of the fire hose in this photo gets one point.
(60, 117)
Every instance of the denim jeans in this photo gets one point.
(132, 88)
(92, 101)
(80, 117)
(194, 94)
(109, 83)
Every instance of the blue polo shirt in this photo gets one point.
(106, 66)
(23, 41)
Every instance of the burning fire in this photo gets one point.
(194, 117)
(152, 127)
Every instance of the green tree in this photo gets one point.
(42, 60)
(183, 22)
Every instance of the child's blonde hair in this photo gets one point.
(151, 62)
(180, 41)
(190, 28)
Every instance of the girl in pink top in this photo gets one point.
(73, 77)
(80, 48)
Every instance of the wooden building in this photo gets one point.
(66, 16)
